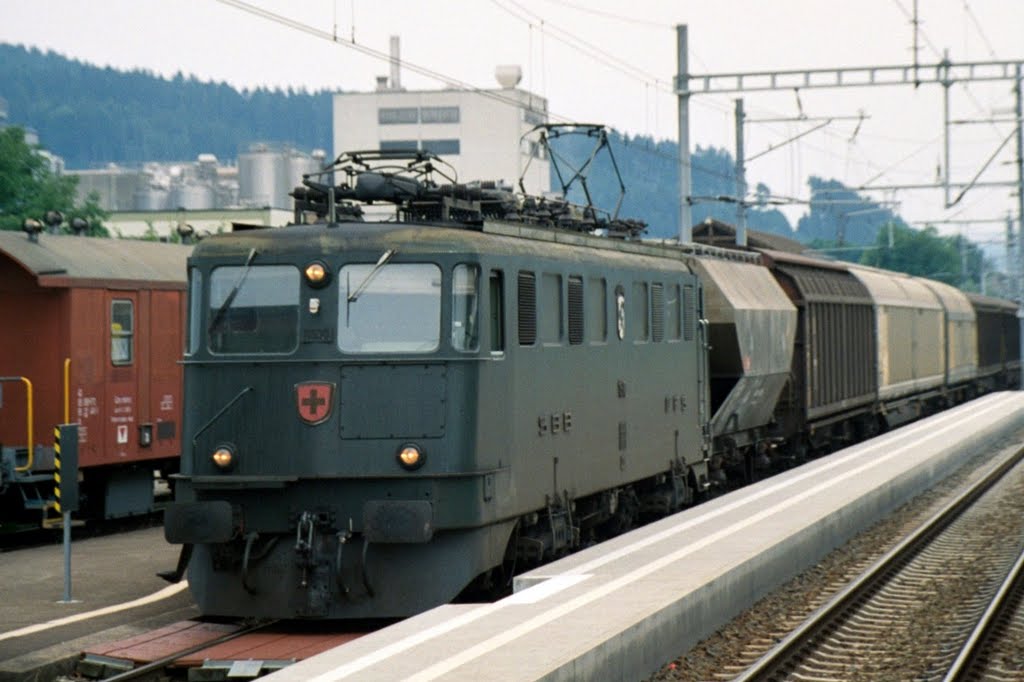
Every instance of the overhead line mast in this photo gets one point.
(944, 72)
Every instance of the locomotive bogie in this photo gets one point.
(328, 575)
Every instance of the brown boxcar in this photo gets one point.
(998, 342)
(96, 326)
(833, 380)
(961, 339)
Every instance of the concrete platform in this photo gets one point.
(116, 591)
(621, 610)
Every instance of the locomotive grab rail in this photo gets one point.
(28, 412)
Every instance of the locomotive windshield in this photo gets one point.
(397, 308)
(263, 314)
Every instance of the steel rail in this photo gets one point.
(960, 668)
(771, 662)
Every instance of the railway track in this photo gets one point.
(156, 669)
(995, 649)
(914, 611)
(213, 650)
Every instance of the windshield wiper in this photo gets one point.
(384, 258)
(218, 317)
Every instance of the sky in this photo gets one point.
(614, 62)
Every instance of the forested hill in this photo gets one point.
(90, 115)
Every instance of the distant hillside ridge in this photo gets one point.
(91, 116)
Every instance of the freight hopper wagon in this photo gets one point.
(872, 350)
(91, 334)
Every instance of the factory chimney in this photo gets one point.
(396, 78)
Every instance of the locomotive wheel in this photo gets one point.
(625, 517)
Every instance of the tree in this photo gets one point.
(28, 188)
(925, 253)
(841, 215)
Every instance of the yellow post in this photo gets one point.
(67, 390)
(28, 415)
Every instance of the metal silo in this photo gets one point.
(150, 197)
(192, 196)
(257, 176)
(206, 168)
(294, 165)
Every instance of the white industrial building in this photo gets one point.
(479, 132)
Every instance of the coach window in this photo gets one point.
(122, 331)
(254, 309)
(496, 297)
(392, 308)
(465, 307)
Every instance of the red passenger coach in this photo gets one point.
(90, 332)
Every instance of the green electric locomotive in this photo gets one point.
(380, 415)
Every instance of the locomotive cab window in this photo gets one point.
(390, 308)
(254, 309)
(122, 331)
(465, 307)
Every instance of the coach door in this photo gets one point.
(123, 370)
(160, 423)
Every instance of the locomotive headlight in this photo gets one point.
(317, 274)
(411, 457)
(224, 456)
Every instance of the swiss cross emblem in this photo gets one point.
(313, 399)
